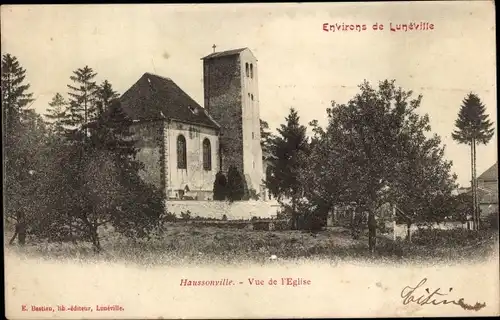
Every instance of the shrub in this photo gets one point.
(235, 184)
(186, 215)
(252, 194)
(396, 248)
(451, 237)
(358, 225)
(382, 226)
(491, 221)
(311, 220)
(261, 225)
(220, 186)
(281, 225)
(283, 214)
(284, 217)
(168, 217)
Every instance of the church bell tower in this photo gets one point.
(230, 80)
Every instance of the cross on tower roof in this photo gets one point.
(213, 47)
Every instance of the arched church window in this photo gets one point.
(181, 152)
(246, 68)
(251, 70)
(207, 155)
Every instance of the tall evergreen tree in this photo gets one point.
(15, 96)
(288, 150)
(265, 138)
(82, 107)
(15, 103)
(473, 127)
(56, 113)
(139, 204)
(111, 132)
(105, 95)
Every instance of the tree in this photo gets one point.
(68, 118)
(461, 207)
(15, 95)
(82, 107)
(15, 102)
(111, 131)
(424, 184)
(235, 184)
(119, 196)
(23, 182)
(99, 185)
(265, 138)
(105, 95)
(220, 186)
(372, 148)
(325, 177)
(472, 128)
(288, 154)
(59, 191)
(56, 113)
(318, 133)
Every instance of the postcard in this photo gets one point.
(236, 161)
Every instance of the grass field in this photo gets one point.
(183, 243)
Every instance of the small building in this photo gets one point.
(487, 188)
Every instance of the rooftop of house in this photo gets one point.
(491, 174)
(154, 97)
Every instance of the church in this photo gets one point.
(184, 145)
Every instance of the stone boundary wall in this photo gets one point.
(217, 209)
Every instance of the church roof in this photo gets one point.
(153, 97)
(491, 174)
(223, 53)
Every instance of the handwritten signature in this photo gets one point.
(434, 298)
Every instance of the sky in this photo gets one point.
(300, 65)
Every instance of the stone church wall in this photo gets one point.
(198, 181)
(157, 150)
(252, 151)
(149, 142)
(223, 100)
